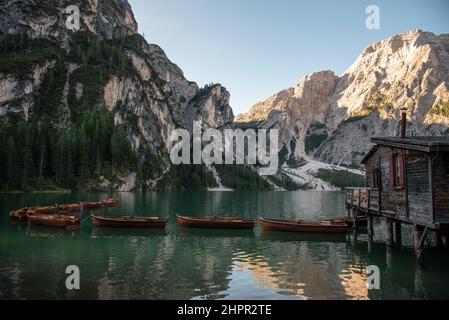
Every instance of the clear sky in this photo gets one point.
(258, 47)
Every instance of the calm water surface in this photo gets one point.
(209, 264)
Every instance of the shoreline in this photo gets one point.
(36, 191)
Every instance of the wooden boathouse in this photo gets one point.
(407, 181)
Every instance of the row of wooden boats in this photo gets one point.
(62, 216)
(323, 226)
(65, 209)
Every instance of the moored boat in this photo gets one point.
(129, 222)
(45, 210)
(360, 220)
(53, 220)
(75, 207)
(324, 226)
(91, 205)
(19, 214)
(109, 202)
(215, 222)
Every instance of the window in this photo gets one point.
(397, 171)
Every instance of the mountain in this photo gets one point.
(331, 118)
(93, 108)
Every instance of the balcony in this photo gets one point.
(363, 199)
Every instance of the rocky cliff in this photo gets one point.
(409, 70)
(52, 74)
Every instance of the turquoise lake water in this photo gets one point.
(209, 264)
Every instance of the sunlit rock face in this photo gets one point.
(151, 100)
(41, 19)
(409, 70)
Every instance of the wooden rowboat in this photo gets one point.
(324, 226)
(53, 220)
(109, 202)
(100, 204)
(91, 205)
(19, 214)
(129, 222)
(76, 207)
(361, 221)
(44, 210)
(215, 222)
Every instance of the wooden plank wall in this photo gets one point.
(441, 186)
(374, 200)
(419, 195)
(370, 165)
(392, 199)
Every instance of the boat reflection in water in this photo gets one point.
(50, 232)
(124, 232)
(298, 236)
(216, 233)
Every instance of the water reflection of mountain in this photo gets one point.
(308, 269)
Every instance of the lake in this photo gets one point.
(209, 264)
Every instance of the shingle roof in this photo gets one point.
(425, 144)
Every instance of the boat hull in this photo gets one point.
(302, 226)
(109, 202)
(54, 221)
(71, 207)
(20, 214)
(92, 205)
(215, 223)
(360, 221)
(45, 210)
(137, 223)
(100, 204)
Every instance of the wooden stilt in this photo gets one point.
(398, 232)
(437, 240)
(389, 239)
(370, 226)
(354, 238)
(354, 218)
(420, 235)
(389, 257)
(419, 287)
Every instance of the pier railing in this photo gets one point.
(364, 199)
